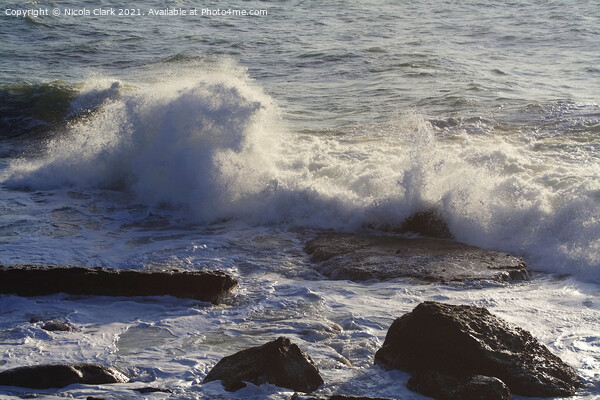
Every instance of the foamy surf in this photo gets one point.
(213, 146)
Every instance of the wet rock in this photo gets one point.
(342, 397)
(480, 387)
(145, 390)
(461, 341)
(279, 362)
(57, 326)
(31, 280)
(60, 375)
(427, 223)
(360, 257)
(445, 387)
(433, 384)
(337, 397)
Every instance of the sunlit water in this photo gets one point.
(226, 143)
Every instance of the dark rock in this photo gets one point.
(59, 376)
(279, 362)
(343, 397)
(433, 384)
(480, 387)
(57, 326)
(31, 280)
(145, 390)
(463, 341)
(427, 223)
(337, 397)
(359, 258)
(446, 387)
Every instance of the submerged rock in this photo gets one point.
(279, 362)
(462, 341)
(31, 280)
(59, 376)
(359, 258)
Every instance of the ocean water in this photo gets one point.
(227, 141)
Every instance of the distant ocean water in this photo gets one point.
(221, 142)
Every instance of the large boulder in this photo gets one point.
(463, 341)
(29, 280)
(279, 362)
(59, 376)
(364, 257)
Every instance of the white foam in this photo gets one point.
(212, 144)
(339, 324)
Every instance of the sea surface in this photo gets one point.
(225, 142)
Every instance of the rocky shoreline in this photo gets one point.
(453, 352)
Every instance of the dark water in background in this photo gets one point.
(205, 142)
(340, 62)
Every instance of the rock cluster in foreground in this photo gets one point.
(31, 280)
(59, 376)
(459, 342)
(279, 362)
(454, 353)
(359, 258)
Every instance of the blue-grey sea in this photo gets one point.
(224, 135)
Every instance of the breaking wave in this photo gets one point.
(214, 146)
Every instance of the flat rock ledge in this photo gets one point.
(360, 258)
(30, 280)
(448, 342)
(60, 375)
(279, 362)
